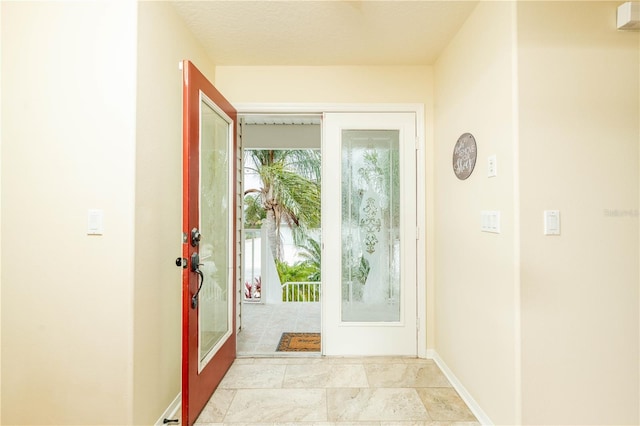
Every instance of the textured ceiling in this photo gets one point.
(239, 32)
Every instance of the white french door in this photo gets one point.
(369, 234)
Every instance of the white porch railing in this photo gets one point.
(307, 291)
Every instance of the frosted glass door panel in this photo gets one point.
(370, 226)
(215, 296)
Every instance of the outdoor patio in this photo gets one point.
(263, 325)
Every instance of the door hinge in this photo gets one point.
(417, 143)
(417, 233)
(418, 323)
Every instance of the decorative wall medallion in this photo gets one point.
(464, 156)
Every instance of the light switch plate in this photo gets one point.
(492, 166)
(490, 221)
(552, 222)
(95, 222)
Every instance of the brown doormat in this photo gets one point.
(299, 342)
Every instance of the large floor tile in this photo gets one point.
(325, 376)
(311, 390)
(253, 376)
(376, 360)
(428, 423)
(278, 405)
(405, 375)
(217, 407)
(380, 404)
(444, 404)
(304, 358)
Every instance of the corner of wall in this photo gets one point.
(515, 137)
(475, 278)
(1, 126)
(163, 42)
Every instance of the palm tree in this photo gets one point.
(289, 193)
(312, 255)
(254, 214)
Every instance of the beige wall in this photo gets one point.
(541, 330)
(344, 84)
(163, 41)
(91, 324)
(323, 84)
(68, 144)
(579, 137)
(0, 218)
(476, 292)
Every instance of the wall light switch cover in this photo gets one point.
(492, 166)
(552, 222)
(95, 222)
(490, 221)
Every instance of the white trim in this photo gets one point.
(418, 109)
(475, 408)
(421, 243)
(231, 176)
(172, 411)
(251, 108)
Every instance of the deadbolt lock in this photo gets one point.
(196, 236)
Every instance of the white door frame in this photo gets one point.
(418, 109)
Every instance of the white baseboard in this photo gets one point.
(462, 391)
(172, 411)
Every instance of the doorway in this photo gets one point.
(281, 285)
(413, 144)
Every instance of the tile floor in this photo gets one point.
(265, 387)
(318, 390)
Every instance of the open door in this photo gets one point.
(208, 307)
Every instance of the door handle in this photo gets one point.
(195, 267)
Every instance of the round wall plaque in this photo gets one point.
(464, 156)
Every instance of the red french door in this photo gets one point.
(208, 317)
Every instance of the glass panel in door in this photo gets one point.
(214, 297)
(370, 226)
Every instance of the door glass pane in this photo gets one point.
(370, 226)
(214, 299)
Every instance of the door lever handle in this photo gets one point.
(195, 267)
